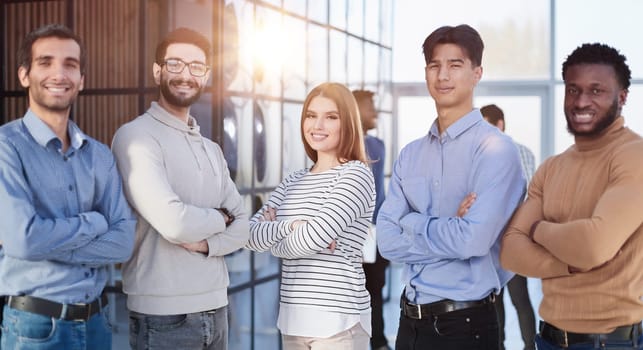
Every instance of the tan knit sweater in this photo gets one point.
(590, 199)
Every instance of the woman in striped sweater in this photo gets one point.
(317, 220)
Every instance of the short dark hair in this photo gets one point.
(184, 36)
(462, 35)
(49, 31)
(597, 53)
(492, 113)
(361, 95)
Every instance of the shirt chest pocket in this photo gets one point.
(417, 191)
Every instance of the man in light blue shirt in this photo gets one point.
(65, 217)
(452, 272)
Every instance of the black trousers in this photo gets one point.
(471, 329)
(519, 294)
(375, 280)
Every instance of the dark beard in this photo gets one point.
(177, 100)
(607, 120)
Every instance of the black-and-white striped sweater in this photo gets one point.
(337, 204)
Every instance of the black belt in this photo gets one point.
(74, 312)
(422, 311)
(564, 339)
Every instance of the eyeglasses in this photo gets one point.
(175, 65)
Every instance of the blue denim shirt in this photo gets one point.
(445, 256)
(64, 215)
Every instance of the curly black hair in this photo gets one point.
(597, 53)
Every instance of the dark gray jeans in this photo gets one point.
(200, 330)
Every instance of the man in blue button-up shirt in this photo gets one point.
(65, 217)
(452, 271)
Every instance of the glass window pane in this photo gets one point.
(337, 14)
(266, 303)
(356, 17)
(337, 57)
(268, 51)
(245, 119)
(239, 320)
(294, 58)
(230, 38)
(385, 88)
(515, 34)
(563, 139)
(522, 118)
(317, 56)
(387, 22)
(355, 62)
(294, 154)
(371, 64)
(238, 45)
(385, 133)
(296, 6)
(267, 143)
(599, 23)
(415, 115)
(238, 262)
(266, 264)
(231, 137)
(633, 108)
(318, 10)
(372, 20)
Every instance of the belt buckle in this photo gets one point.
(88, 314)
(565, 340)
(419, 307)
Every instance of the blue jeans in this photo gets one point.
(23, 330)
(542, 344)
(199, 330)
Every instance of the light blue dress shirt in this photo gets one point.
(64, 215)
(447, 257)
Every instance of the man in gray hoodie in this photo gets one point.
(190, 213)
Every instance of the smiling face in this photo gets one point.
(321, 127)
(54, 79)
(593, 98)
(180, 90)
(451, 77)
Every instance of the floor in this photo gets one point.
(391, 314)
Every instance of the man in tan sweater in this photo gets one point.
(580, 228)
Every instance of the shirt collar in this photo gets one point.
(459, 127)
(43, 134)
